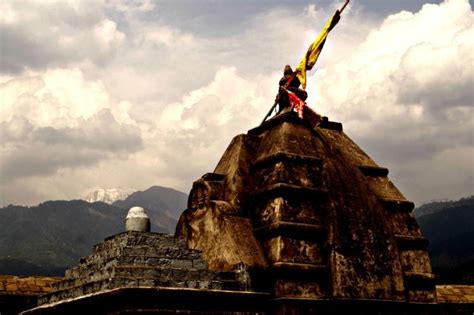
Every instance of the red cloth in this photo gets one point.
(296, 103)
(304, 112)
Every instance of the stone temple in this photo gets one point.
(293, 220)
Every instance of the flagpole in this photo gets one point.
(277, 99)
(271, 110)
(344, 6)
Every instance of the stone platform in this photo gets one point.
(140, 265)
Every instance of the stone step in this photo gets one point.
(86, 269)
(132, 238)
(397, 204)
(137, 260)
(141, 250)
(214, 177)
(285, 156)
(289, 117)
(132, 281)
(298, 269)
(148, 272)
(291, 229)
(408, 242)
(331, 125)
(373, 171)
(282, 189)
(419, 281)
(179, 252)
(175, 273)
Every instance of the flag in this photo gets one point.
(296, 103)
(304, 112)
(314, 50)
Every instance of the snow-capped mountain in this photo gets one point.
(109, 195)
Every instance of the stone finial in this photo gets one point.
(137, 220)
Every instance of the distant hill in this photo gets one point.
(437, 206)
(157, 199)
(449, 226)
(49, 238)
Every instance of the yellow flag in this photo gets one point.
(313, 52)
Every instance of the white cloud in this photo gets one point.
(58, 120)
(40, 34)
(54, 98)
(131, 6)
(111, 91)
(406, 93)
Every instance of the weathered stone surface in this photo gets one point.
(136, 260)
(26, 285)
(284, 171)
(299, 288)
(225, 240)
(455, 294)
(290, 209)
(294, 250)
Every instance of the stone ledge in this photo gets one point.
(292, 229)
(184, 299)
(176, 252)
(290, 117)
(285, 156)
(148, 272)
(300, 269)
(213, 177)
(26, 285)
(455, 294)
(282, 189)
(397, 204)
(408, 242)
(129, 281)
(419, 281)
(331, 125)
(373, 171)
(341, 305)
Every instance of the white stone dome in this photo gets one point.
(137, 220)
(136, 212)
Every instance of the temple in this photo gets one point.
(309, 209)
(293, 220)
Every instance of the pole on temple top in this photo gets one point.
(292, 81)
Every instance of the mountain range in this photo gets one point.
(449, 226)
(109, 195)
(48, 238)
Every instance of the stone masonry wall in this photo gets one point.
(137, 259)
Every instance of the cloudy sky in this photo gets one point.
(140, 93)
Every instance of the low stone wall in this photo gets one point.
(139, 260)
(18, 293)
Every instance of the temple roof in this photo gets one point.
(326, 218)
